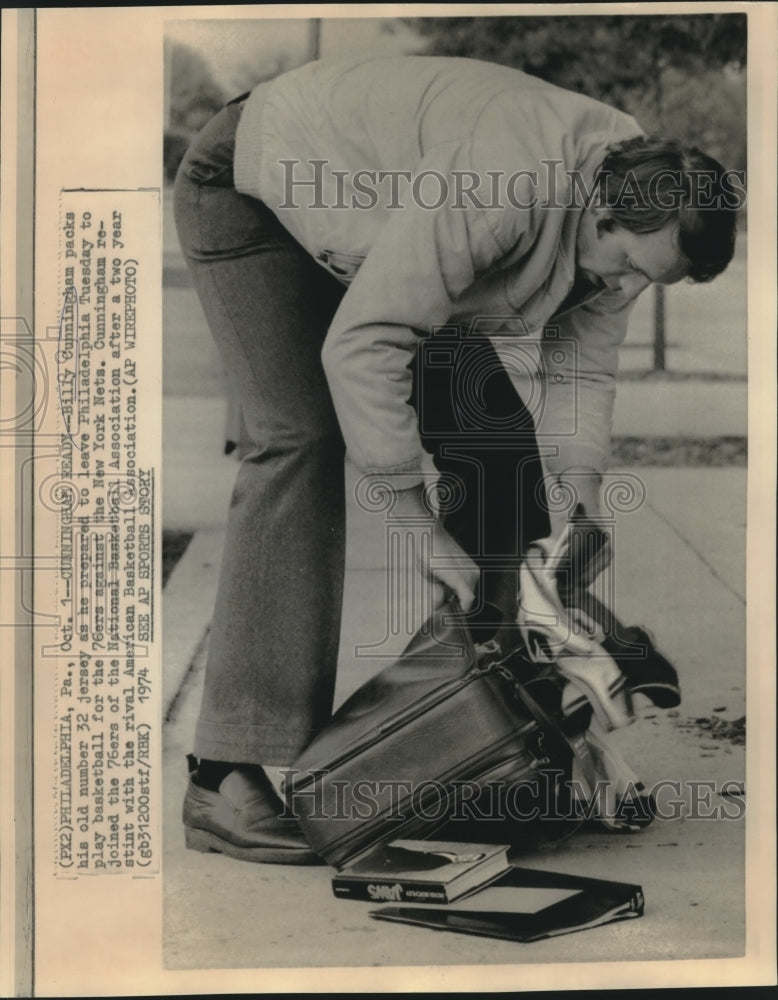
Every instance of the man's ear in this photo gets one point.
(605, 222)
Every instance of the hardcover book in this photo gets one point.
(421, 871)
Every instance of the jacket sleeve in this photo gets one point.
(422, 260)
(580, 360)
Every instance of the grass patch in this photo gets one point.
(679, 451)
(174, 545)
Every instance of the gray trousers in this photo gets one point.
(270, 673)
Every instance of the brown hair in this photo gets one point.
(648, 182)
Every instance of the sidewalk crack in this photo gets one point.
(711, 568)
(172, 709)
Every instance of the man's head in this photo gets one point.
(660, 212)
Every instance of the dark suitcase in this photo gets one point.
(418, 742)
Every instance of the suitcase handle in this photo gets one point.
(564, 747)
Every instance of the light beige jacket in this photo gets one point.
(419, 257)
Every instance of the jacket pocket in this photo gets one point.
(343, 266)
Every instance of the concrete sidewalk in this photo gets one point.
(679, 570)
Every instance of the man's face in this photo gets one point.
(628, 262)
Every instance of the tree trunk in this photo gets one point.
(660, 360)
(314, 38)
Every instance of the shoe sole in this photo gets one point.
(209, 843)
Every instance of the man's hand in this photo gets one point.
(590, 549)
(447, 565)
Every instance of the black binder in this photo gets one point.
(526, 905)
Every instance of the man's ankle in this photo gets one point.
(211, 773)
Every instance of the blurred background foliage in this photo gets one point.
(193, 97)
(681, 75)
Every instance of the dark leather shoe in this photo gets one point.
(243, 820)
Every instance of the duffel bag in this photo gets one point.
(422, 739)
